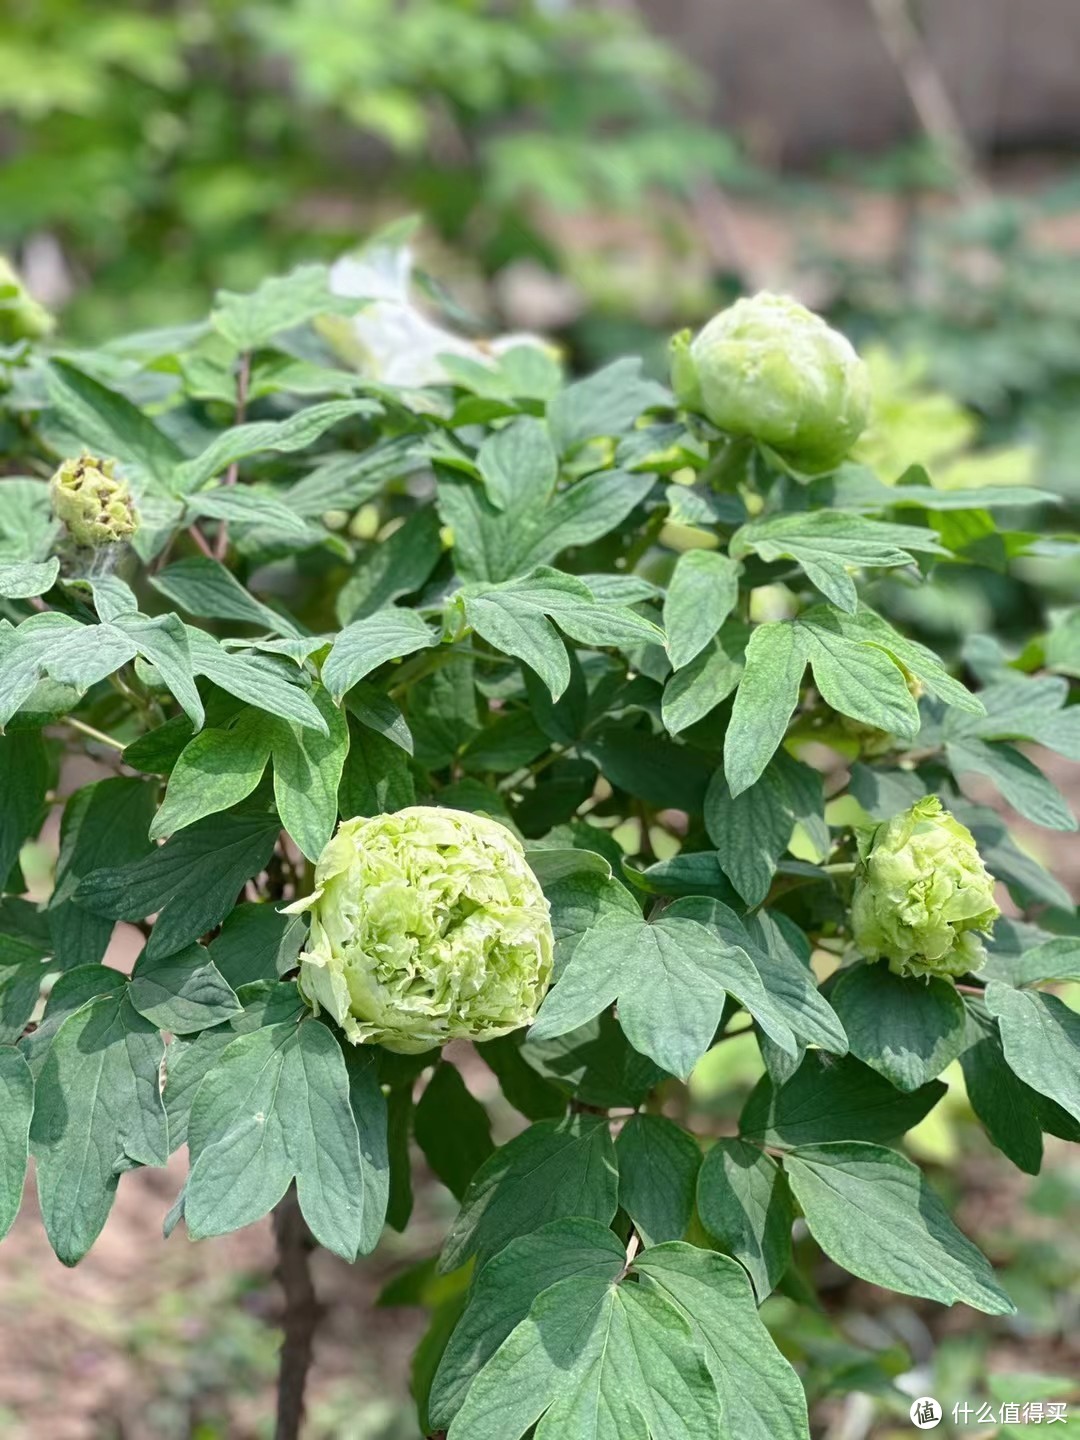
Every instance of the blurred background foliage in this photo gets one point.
(573, 178)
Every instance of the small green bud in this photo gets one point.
(923, 897)
(21, 317)
(426, 926)
(96, 507)
(770, 369)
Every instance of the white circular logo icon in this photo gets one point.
(926, 1413)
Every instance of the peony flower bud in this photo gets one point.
(96, 507)
(923, 896)
(426, 926)
(769, 369)
(21, 316)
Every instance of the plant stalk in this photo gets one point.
(295, 1243)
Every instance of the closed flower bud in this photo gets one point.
(96, 507)
(923, 897)
(426, 926)
(771, 370)
(21, 317)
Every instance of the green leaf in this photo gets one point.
(1041, 1039)
(242, 505)
(71, 990)
(744, 1204)
(452, 1129)
(376, 777)
(872, 1211)
(764, 702)
(555, 1169)
(163, 641)
(25, 579)
(828, 544)
(761, 1397)
(789, 984)
(183, 992)
(98, 1112)
(857, 679)
(257, 680)
(102, 422)
(650, 767)
(255, 942)
(392, 567)
(205, 588)
(106, 821)
(1028, 882)
(871, 629)
(658, 1169)
(695, 690)
(833, 1100)
(504, 1291)
(907, 1030)
(250, 322)
(518, 460)
(596, 1361)
(1056, 959)
(519, 628)
(520, 1084)
(24, 779)
(191, 881)
(366, 644)
(1021, 783)
(606, 403)
(307, 772)
(701, 594)
(1007, 1109)
(186, 1062)
(595, 1064)
(752, 830)
(275, 1107)
(670, 978)
(280, 436)
(215, 770)
(16, 1108)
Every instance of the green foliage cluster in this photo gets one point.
(654, 654)
(173, 148)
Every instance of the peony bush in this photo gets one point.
(473, 749)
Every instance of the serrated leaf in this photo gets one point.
(909, 1030)
(276, 1106)
(16, 1108)
(670, 978)
(872, 1211)
(182, 992)
(761, 1397)
(366, 644)
(191, 881)
(701, 594)
(553, 1170)
(98, 1112)
(1041, 1039)
(658, 1168)
(833, 1100)
(743, 1201)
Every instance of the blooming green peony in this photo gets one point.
(93, 504)
(923, 896)
(769, 369)
(426, 926)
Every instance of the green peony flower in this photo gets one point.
(427, 926)
(923, 896)
(96, 507)
(770, 369)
